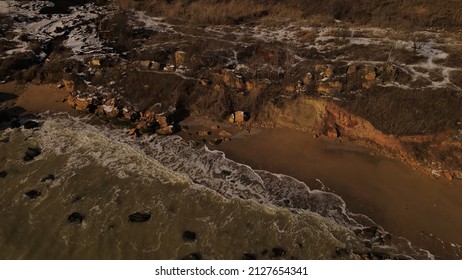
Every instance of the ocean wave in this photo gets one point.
(170, 160)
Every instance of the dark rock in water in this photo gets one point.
(370, 232)
(249, 256)
(278, 252)
(33, 194)
(193, 256)
(139, 217)
(76, 199)
(75, 217)
(189, 236)
(378, 256)
(264, 252)
(5, 140)
(15, 124)
(342, 252)
(3, 174)
(31, 124)
(50, 177)
(31, 153)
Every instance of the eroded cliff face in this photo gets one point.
(399, 92)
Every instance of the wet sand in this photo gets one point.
(404, 202)
(43, 98)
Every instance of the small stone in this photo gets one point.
(189, 236)
(75, 217)
(215, 127)
(370, 232)
(278, 252)
(33, 194)
(3, 174)
(193, 256)
(249, 256)
(342, 252)
(225, 133)
(50, 177)
(31, 153)
(204, 133)
(215, 142)
(139, 217)
(448, 175)
(31, 124)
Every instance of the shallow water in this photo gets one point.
(106, 176)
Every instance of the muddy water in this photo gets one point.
(404, 202)
(105, 177)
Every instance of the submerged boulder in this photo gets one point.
(249, 256)
(31, 153)
(49, 177)
(193, 256)
(75, 217)
(33, 194)
(139, 217)
(189, 236)
(278, 252)
(3, 174)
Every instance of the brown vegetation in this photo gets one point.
(390, 13)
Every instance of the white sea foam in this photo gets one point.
(167, 160)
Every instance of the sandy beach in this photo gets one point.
(33, 98)
(423, 209)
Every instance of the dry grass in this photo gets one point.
(402, 14)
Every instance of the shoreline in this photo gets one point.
(403, 201)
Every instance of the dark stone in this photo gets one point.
(15, 124)
(3, 174)
(264, 252)
(75, 217)
(379, 256)
(139, 217)
(370, 232)
(33, 194)
(249, 256)
(193, 256)
(50, 177)
(31, 153)
(189, 236)
(342, 252)
(76, 199)
(5, 140)
(278, 252)
(31, 124)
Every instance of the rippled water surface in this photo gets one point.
(105, 176)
